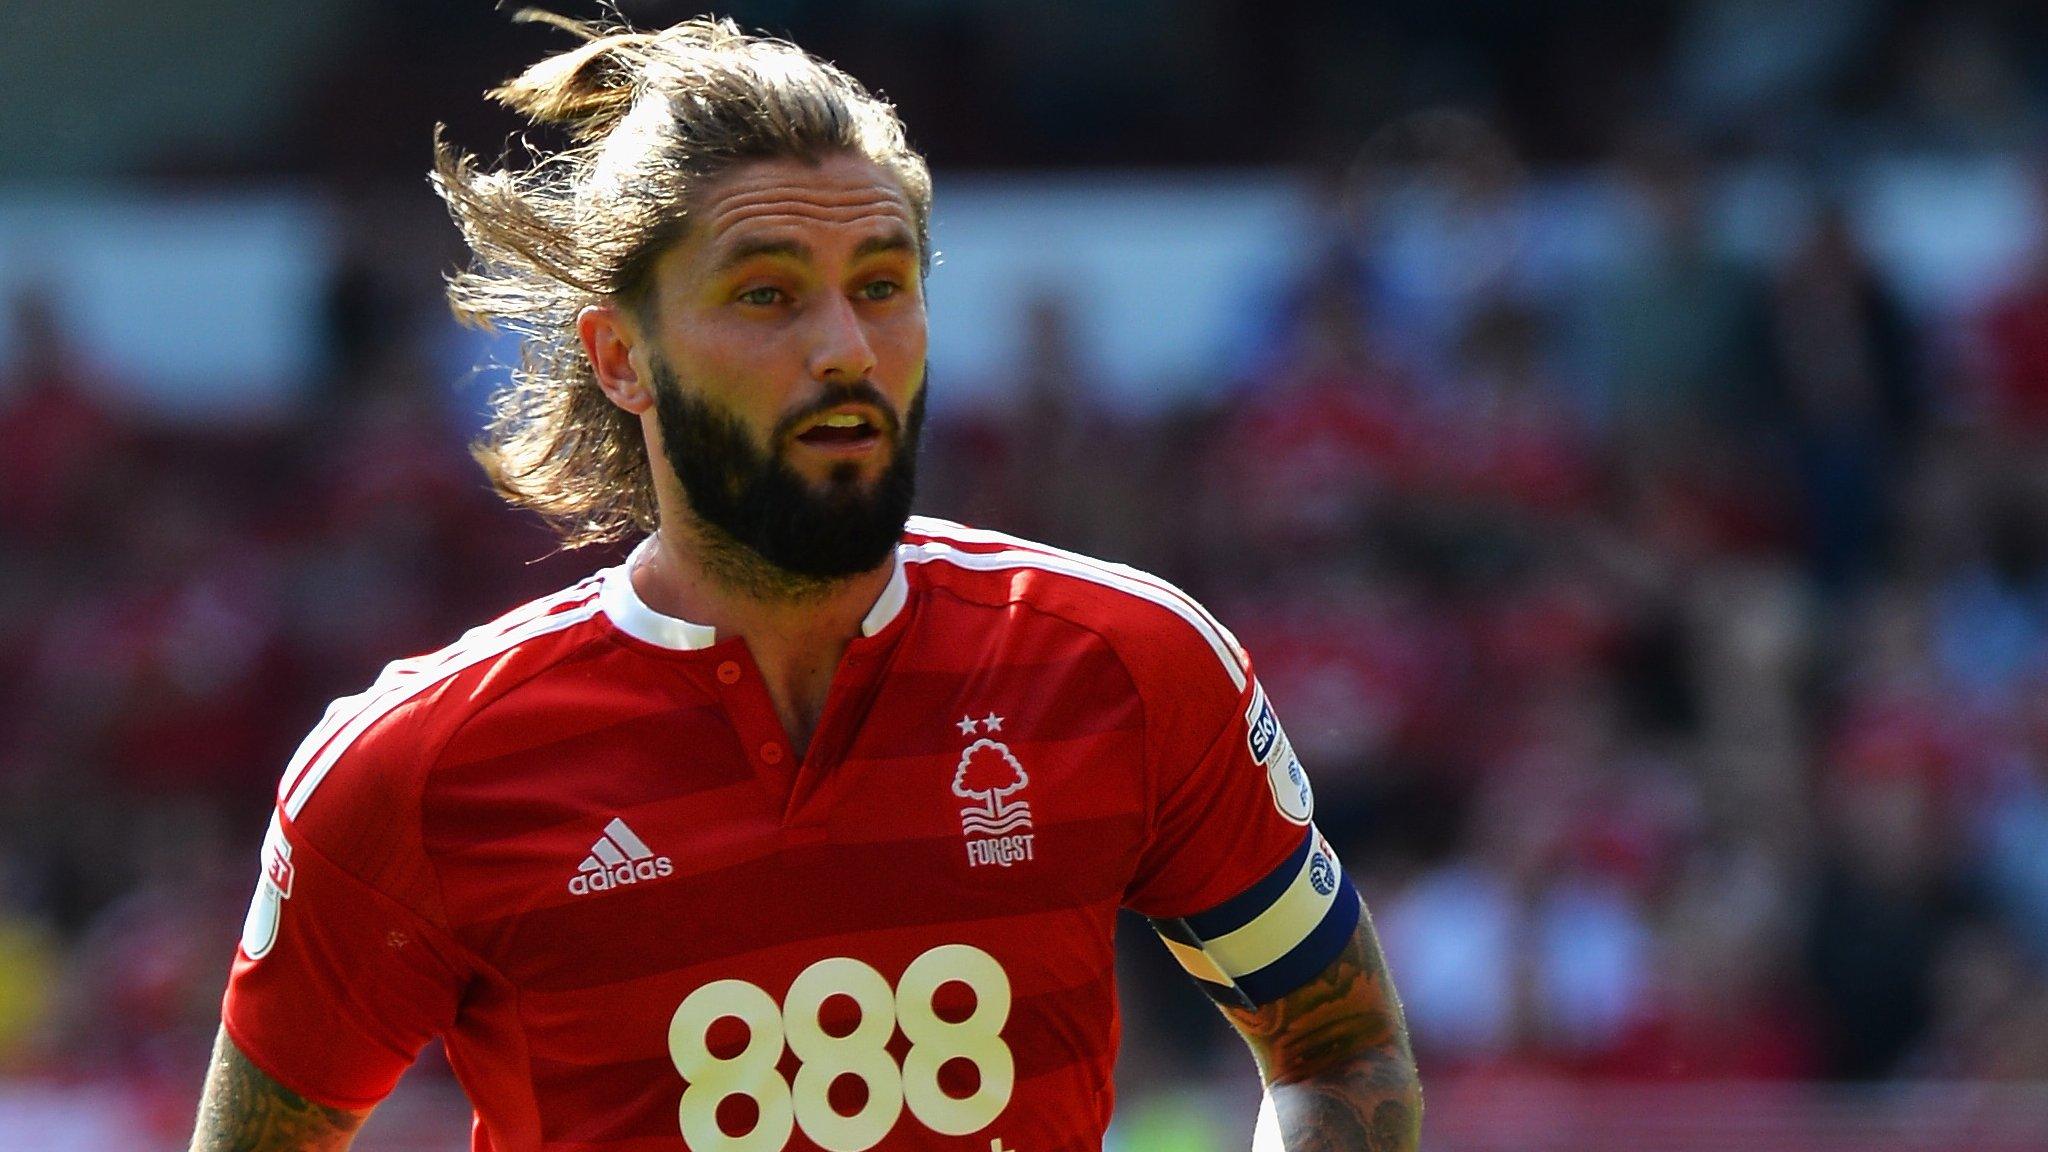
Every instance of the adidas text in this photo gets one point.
(620, 875)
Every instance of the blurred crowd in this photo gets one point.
(1666, 630)
(1668, 641)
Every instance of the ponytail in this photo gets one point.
(589, 89)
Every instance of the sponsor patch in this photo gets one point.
(1262, 728)
(259, 928)
(1275, 753)
(1291, 791)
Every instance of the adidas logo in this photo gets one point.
(617, 859)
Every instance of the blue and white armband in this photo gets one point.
(1275, 936)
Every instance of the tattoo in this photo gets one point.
(1336, 1058)
(244, 1110)
(1392, 1123)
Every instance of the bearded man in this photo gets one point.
(806, 827)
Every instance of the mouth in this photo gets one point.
(846, 431)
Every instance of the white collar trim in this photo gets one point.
(620, 601)
(895, 595)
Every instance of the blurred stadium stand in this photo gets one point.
(1619, 430)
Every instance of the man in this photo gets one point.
(804, 827)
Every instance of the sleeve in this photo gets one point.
(1236, 879)
(338, 982)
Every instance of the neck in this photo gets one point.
(701, 574)
(796, 627)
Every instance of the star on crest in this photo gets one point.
(967, 726)
(992, 722)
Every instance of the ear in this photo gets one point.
(608, 338)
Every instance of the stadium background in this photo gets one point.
(1618, 428)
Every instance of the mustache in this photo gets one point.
(859, 392)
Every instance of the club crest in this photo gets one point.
(997, 823)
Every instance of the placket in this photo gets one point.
(743, 694)
(824, 773)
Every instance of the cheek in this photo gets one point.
(733, 370)
(903, 341)
(716, 352)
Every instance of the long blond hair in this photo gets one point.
(652, 117)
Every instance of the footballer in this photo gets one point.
(806, 826)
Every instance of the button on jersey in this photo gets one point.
(578, 846)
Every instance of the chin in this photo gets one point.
(850, 481)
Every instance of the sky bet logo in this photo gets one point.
(617, 859)
(1265, 727)
(1269, 746)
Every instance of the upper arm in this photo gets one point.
(243, 1110)
(346, 969)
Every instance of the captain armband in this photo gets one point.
(1276, 936)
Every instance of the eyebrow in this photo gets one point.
(896, 240)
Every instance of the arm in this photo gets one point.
(244, 1110)
(1335, 1056)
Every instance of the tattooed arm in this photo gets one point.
(244, 1110)
(1335, 1057)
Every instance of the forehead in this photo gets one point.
(848, 196)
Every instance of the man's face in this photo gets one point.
(787, 351)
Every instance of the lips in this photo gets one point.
(840, 428)
(844, 427)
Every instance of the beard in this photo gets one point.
(767, 528)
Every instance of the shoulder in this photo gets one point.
(371, 752)
(1158, 631)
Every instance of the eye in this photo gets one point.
(761, 297)
(880, 289)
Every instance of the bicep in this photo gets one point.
(243, 1110)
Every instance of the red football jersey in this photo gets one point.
(577, 846)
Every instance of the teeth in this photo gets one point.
(843, 420)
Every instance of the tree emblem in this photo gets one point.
(989, 773)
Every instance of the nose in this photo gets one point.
(840, 350)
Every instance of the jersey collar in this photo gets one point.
(631, 615)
